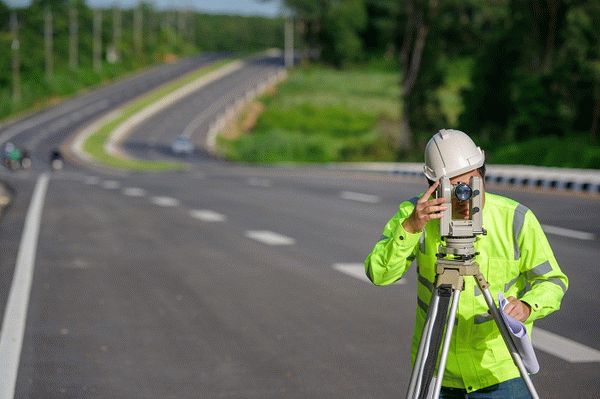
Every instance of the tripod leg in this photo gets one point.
(417, 373)
(445, 293)
(507, 339)
(447, 338)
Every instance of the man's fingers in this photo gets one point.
(429, 191)
(509, 308)
(425, 204)
(435, 209)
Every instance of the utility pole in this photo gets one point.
(192, 28)
(73, 38)
(48, 43)
(16, 65)
(138, 26)
(289, 43)
(97, 41)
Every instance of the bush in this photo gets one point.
(572, 152)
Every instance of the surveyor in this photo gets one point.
(514, 256)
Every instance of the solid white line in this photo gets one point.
(357, 270)
(349, 195)
(270, 238)
(564, 348)
(561, 231)
(165, 201)
(207, 215)
(15, 316)
(134, 192)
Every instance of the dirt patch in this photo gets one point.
(244, 122)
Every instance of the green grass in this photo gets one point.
(94, 144)
(324, 115)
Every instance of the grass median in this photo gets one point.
(94, 144)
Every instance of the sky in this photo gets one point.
(246, 7)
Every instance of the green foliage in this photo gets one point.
(504, 71)
(572, 152)
(323, 115)
(340, 36)
(235, 33)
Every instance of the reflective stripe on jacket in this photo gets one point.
(515, 258)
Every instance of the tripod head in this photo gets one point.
(459, 234)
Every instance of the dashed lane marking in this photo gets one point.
(91, 180)
(111, 184)
(357, 270)
(561, 231)
(269, 237)
(207, 215)
(165, 201)
(564, 348)
(368, 198)
(15, 316)
(134, 192)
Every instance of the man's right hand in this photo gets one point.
(425, 210)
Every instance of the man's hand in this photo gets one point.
(517, 309)
(424, 211)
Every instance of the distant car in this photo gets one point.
(182, 146)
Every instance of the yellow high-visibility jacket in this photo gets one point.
(515, 258)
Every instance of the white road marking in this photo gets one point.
(561, 231)
(15, 316)
(165, 201)
(207, 215)
(270, 238)
(92, 180)
(111, 184)
(134, 192)
(357, 270)
(349, 195)
(564, 348)
(257, 182)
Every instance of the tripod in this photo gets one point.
(450, 273)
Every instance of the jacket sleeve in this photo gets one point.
(394, 252)
(546, 282)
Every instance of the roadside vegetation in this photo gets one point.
(523, 78)
(322, 115)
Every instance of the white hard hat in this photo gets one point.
(451, 153)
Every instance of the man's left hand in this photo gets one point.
(517, 309)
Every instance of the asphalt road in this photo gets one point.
(231, 281)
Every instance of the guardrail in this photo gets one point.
(576, 180)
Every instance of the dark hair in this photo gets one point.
(481, 171)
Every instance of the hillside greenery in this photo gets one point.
(322, 115)
(517, 75)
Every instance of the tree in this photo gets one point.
(343, 22)
(420, 15)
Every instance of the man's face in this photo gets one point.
(460, 209)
